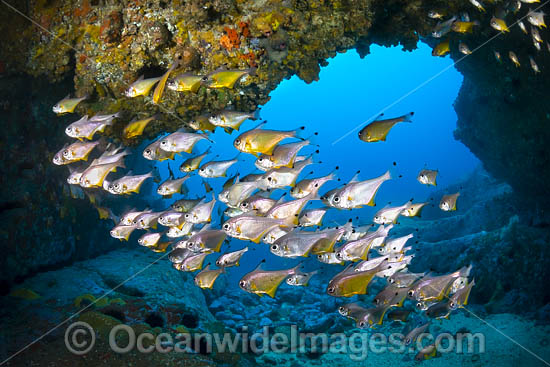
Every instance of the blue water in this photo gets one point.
(351, 91)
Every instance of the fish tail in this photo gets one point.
(408, 117)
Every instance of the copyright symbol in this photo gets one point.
(79, 338)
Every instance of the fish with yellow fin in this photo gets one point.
(442, 48)
(427, 352)
(448, 202)
(357, 193)
(499, 24)
(536, 18)
(223, 78)
(413, 210)
(206, 278)
(67, 105)
(159, 89)
(262, 282)
(252, 228)
(258, 140)
(428, 177)
(86, 128)
(464, 27)
(514, 58)
(348, 282)
(300, 279)
(127, 184)
(232, 120)
(79, 151)
(153, 153)
(371, 316)
(231, 258)
(478, 5)
(141, 87)
(379, 129)
(122, 232)
(181, 141)
(136, 127)
(202, 123)
(94, 175)
(191, 164)
(186, 82)
(161, 246)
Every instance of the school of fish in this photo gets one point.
(252, 214)
(505, 16)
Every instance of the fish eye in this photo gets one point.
(148, 151)
(419, 305)
(113, 233)
(339, 255)
(237, 141)
(225, 226)
(391, 280)
(410, 293)
(336, 199)
(408, 341)
(204, 78)
(274, 247)
(341, 309)
(362, 323)
(163, 142)
(330, 290)
(452, 304)
(320, 257)
(269, 178)
(242, 283)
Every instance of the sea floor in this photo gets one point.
(161, 300)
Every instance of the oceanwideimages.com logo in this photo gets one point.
(80, 338)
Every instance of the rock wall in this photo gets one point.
(42, 225)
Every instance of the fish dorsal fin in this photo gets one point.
(170, 171)
(355, 177)
(206, 227)
(259, 267)
(260, 125)
(280, 201)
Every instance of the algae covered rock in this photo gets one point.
(120, 276)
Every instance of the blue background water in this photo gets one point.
(350, 91)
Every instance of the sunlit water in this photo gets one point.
(351, 91)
